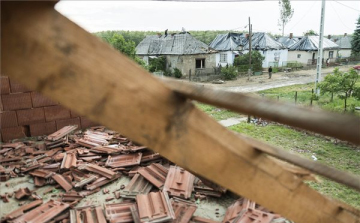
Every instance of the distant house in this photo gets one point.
(344, 43)
(181, 50)
(305, 51)
(231, 44)
(228, 45)
(274, 52)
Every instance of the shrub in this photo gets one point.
(177, 73)
(168, 73)
(229, 72)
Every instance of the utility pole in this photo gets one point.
(320, 51)
(250, 30)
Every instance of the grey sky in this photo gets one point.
(94, 16)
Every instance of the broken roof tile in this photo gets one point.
(137, 185)
(62, 182)
(68, 161)
(183, 210)
(100, 182)
(22, 192)
(196, 219)
(43, 213)
(234, 210)
(124, 160)
(179, 182)
(62, 132)
(122, 213)
(20, 211)
(251, 215)
(155, 173)
(99, 170)
(41, 173)
(155, 207)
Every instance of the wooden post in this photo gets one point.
(295, 97)
(250, 32)
(311, 98)
(189, 74)
(346, 95)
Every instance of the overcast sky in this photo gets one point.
(340, 16)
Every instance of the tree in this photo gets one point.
(229, 72)
(256, 60)
(157, 64)
(310, 33)
(286, 13)
(341, 83)
(355, 43)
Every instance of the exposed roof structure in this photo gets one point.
(176, 44)
(228, 41)
(287, 41)
(263, 41)
(311, 43)
(344, 42)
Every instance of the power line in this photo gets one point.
(347, 6)
(304, 15)
(338, 16)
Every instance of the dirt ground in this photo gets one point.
(280, 79)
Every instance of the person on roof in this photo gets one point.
(270, 72)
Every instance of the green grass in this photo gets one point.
(287, 94)
(340, 155)
(217, 113)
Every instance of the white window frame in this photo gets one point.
(223, 57)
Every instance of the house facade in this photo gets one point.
(344, 43)
(305, 51)
(181, 51)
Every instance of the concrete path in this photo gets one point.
(232, 121)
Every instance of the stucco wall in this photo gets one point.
(230, 58)
(305, 56)
(344, 53)
(187, 62)
(270, 55)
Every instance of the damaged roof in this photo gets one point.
(228, 41)
(173, 44)
(287, 41)
(311, 43)
(344, 42)
(263, 41)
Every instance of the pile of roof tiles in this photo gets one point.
(81, 163)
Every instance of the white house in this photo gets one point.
(306, 50)
(228, 45)
(274, 52)
(344, 43)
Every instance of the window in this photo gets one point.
(299, 56)
(223, 58)
(331, 54)
(199, 63)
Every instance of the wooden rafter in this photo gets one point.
(48, 53)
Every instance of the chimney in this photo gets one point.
(329, 36)
(345, 34)
(291, 35)
(159, 35)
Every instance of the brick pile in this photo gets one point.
(26, 113)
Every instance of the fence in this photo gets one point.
(111, 89)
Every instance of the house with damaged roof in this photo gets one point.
(181, 51)
(231, 44)
(305, 51)
(344, 43)
(288, 40)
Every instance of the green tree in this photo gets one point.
(177, 73)
(229, 72)
(157, 64)
(310, 33)
(340, 83)
(286, 13)
(256, 60)
(355, 43)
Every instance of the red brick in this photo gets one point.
(5, 85)
(16, 87)
(56, 112)
(16, 101)
(14, 133)
(38, 100)
(41, 129)
(65, 122)
(30, 116)
(8, 119)
(87, 123)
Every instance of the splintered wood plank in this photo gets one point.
(48, 53)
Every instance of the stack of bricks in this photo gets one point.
(26, 113)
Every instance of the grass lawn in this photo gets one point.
(328, 151)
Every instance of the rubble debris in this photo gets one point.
(137, 185)
(179, 182)
(155, 207)
(122, 213)
(81, 163)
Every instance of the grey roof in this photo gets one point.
(311, 43)
(286, 41)
(177, 44)
(263, 41)
(228, 41)
(344, 42)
